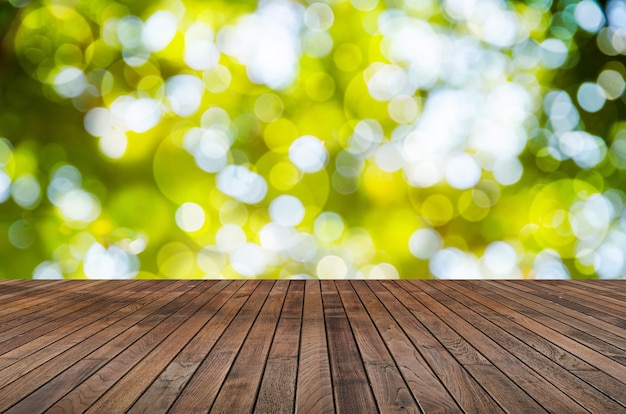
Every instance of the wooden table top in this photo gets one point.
(312, 347)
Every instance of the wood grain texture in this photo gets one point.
(312, 346)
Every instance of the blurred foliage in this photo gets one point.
(330, 139)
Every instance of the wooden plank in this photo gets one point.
(239, 390)
(314, 390)
(61, 332)
(100, 384)
(390, 390)
(26, 358)
(470, 306)
(552, 299)
(31, 297)
(121, 396)
(598, 353)
(201, 390)
(162, 393)
(467, 390)
(103, 338)
(66, 308)
(63, 383)
(538, 389)
(351, 386)
(429, 392)
(296, 346)
(278, 387)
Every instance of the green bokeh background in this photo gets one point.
(135, 202)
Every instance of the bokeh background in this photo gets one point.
(312, 139)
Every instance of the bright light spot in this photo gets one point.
(424, 243)
(332, 267)
(209, 147)
(612, 83)
(452, 263)
(414, 44)
(610, 261)
(591, 97)
(589, 16)
(319, 16)
(113, 144)
(217, 79)
(586, 150)
(364, 5)
(242, 184)
(200, 51)
(388, 158)
(508, 171)
(317, 44)
(98, 121)
(79, 205)
(303, 247)
(70, 82)
(248, 260)
(184, 93)
(563, 115)
(548, 265)
(383, 271)
(129, 32)
(492, 23)
(21, 234)
(553, 53)
(328, 227)
(403, 109)
(190, 217)
(590, 219)
(384, 82)
(111, 263)
(211, 261)
(287, 210)
(63, 180)
(229, 237)
(267, 43)
(26, 191)
(276, 237)
(138, 115)
(500, 259)
(5, 186)
(424, 174)
(616, 12)
(460, 9)
(268, 107)
(368, 134)
(462, 171)
(308, 154)
(159, 30)
(47, 270)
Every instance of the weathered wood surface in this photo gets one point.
(312, 347)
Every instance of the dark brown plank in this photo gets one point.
(388, 385)
(429, 392)
(468, 304)
(537, 388)
(421, 326)
(162, 393)
(239, 391)
(278, 387)
(593, 351)
(101, 391)
(314, 392)
(352, 390)
(121, 396)
(106, 336)
(200, 392)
